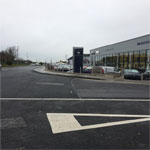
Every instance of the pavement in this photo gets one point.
(44, 111)
(107, 77)
(44, 71)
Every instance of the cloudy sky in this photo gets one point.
(48, 29)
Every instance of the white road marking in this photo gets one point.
(4, 69)
(77, 99)
(99, 115)
(8, 123)
(49, 83)
(64, 122)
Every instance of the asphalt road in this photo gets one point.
(75, 114)
(33, 131)
(22, 82)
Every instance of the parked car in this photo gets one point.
(35, 64)
(108, 69)
(63, 67)
(117, 71)
(87, 69)
(132, 74)
(146, 75)
(32, 64)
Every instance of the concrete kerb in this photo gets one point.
(43, 71)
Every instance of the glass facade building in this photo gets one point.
(130, 54)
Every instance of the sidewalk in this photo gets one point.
(65, 74)
(107, 78)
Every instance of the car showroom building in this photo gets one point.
(133, 53)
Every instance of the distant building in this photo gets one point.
(70, 60)
(86, 60)
(133, 53)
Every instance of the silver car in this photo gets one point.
(132, 74)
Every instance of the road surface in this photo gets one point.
(52, 112)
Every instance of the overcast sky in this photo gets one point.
(48, 29)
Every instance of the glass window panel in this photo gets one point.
(136, 60)
(148, 59)
(126, 60)
(143, 58)
(98, 60)
(103, 59)
(95, 60)
(114, 60)
(109, 60)
(121, 60)
(131, 59)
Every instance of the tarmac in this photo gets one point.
(106, 77)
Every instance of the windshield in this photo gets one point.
(134, 71)
(130, 71)
(148, 71)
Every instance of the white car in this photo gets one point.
(108, 69)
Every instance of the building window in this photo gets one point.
(104, 60)
(148, 59)
(136, 60)
(98, 63)
(126, 60)
(109, 60)
(101, 61)
(114, 60)
(131, 60)
(120, 60)
(91, 60)
(143, 59)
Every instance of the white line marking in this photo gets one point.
(8, 123)
(61, 122)
(76, 99)
(50, 83)
(99, 115)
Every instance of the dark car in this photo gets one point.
(146, 75)
(87, 70)
(132, 74)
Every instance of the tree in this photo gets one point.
(8, 56)
(41, 63)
